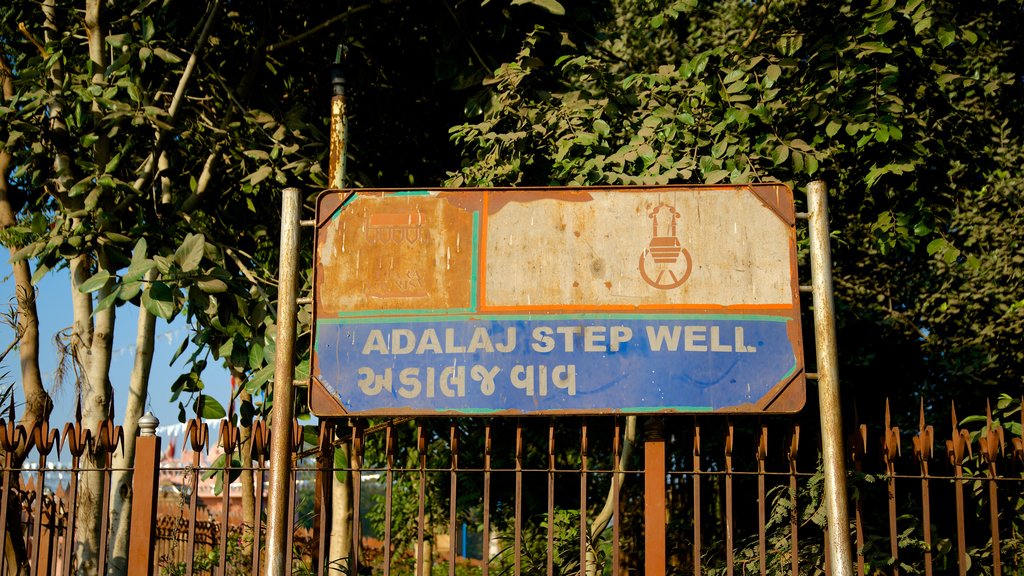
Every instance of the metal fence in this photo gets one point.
(546, 496)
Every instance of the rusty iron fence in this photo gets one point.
(545, 496)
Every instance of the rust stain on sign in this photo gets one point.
(586, 300)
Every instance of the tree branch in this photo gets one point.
(150, 164)
(319, 28)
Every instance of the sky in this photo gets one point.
(54, 308)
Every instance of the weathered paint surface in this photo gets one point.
(589, 300)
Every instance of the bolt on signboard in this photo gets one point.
(556, 301)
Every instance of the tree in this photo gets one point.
(907, 109)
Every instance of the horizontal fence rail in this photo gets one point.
(532, 496)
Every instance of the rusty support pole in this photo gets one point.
(278, 522)
(654, 497)
(828, 382)
(145, 484)
(339, 123)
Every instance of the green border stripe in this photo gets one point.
(409, 193)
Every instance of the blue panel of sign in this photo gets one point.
(500, 363)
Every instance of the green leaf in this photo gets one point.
(138, 269)
(212, 285)
(255, 382)
(946, 37)
(207, 407)
(97, 281)
(24, 253)
(159, 300)
(107, 301)
(773, 72)
(833, 128)
(715, 176)
(190, 253)
(147, 29)
(41, 270)
(260, 175)
(166, 56)
(552, 6)
(780, 154)
(255, 356)
(811, 164)
(129, 290)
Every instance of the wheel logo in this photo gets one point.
(660, 264)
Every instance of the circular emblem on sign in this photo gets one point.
(665, 264)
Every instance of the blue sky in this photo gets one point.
(54, 306)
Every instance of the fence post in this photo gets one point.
(654, 496)
(145, 487)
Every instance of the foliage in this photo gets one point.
(909, 110)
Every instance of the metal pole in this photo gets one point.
(278, 522)
(828, 382)
(654, 496)
(339, 123)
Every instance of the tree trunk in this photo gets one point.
(603, 517)
(96, 392)
(340, 545)
(37, 401)
(121, 484)
(250, 524)
(92, 338)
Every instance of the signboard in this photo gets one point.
(556, 300)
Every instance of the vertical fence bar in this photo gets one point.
(76, 438)
(259, 438)
(518, 536)
(991, 445)
(828, 380)
(453, 435)
(583, 497)
(955, 449)
(924, 443)
(109, 438)
(322, 502)
(551, 498)
(696, 498)
(891, 445)
(11, 436)
(858, 447)
(197, 434)
(48, 537)
(45, 438)
(228, 441)
(729, 544)
(487, 500)
(617, 467)
(654, 496)
(296, 447)
(762, 454)
(145, 488)
(421, 447)
(389, 474)
(794, 511)
(358, 445)
(278, 523)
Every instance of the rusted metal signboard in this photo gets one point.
(567, 300)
